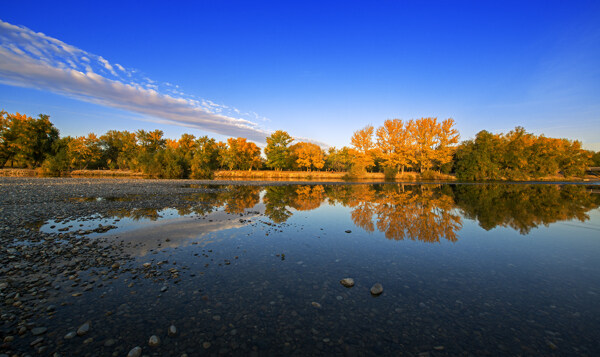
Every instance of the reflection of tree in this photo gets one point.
(414, 212)
(239, 198)
(136, 213)
(235, 198)
(523, 207)
(276, 200)
(418, 212)
(308, 197)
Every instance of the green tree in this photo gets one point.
(205, 158)
(277, 150)
(118, 149)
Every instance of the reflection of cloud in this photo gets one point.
(31, 59)
(181, 232)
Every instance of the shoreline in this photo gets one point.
(291, 177)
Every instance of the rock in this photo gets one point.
(164, 288)
(348, 231)
(110, 342)
(172, 330)
(316, 304)
(83, 329)
(38, 330)
(70, 335)
(154, 341)
(147, 265)
(347, 282)
(376, 289)
(206, 345)
(135, 352)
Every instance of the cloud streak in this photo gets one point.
(32, 59)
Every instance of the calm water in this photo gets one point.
(466, 269)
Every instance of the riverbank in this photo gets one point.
(301, 176)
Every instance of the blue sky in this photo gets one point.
(319, 71)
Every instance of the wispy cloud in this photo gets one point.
(32, 59)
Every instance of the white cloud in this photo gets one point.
(30, 59)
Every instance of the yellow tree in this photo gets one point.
(395, 143)
(308, 155)
(241, 154)
(434, 142)
(425, 133)
(84, 151)
(447, 142)
(363, 148)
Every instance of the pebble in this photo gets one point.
(376, 289)
(38, 330)
(83, 329)
(135, 352)
(154, 341)
(347, 282)
(316, 304)
(164, 288)
(109, 342)
(70, 335)
(348, 231)
(172, 330)
(206, 345)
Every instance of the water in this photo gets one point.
(475, 269)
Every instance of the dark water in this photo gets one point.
(466, 269)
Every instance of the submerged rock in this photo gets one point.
(154, 341)
(38, 330)
(83, 329)
(172, 330)
(347, 282)
(377, 289)
(135, 352)
(316, 304)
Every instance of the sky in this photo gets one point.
(318, 70)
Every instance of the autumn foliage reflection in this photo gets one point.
(401, 212)
(428, 213)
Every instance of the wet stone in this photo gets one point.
(154, 341)
(38, 330)
(172, 330)
(83, 329)
(347, 282)
(377, 289)
(135, 352)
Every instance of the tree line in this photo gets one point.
(424, 145)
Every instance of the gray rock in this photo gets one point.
(135, 352)
(70, 335)
(164, 288)
(172, 330)
(347, 282)
(83, 329)
(376, 289)
(38, 330)
(154, 341)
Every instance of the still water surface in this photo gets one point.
(466, 269)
